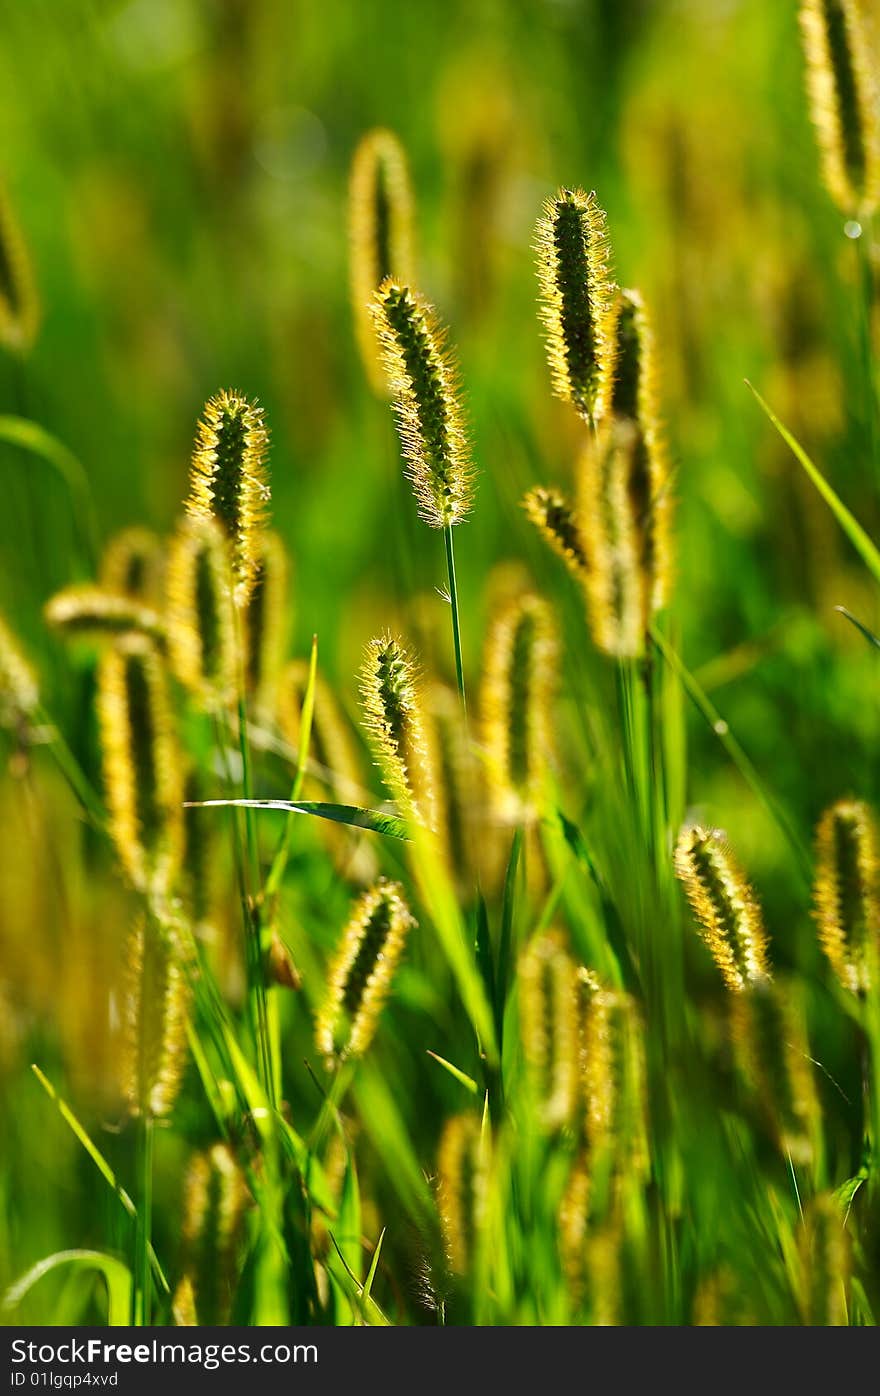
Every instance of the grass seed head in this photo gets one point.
(726, 909)
(360, 975)
(557, 522)
(548, 1006)
(201, 622)
(132, 565)
(518, 687)
(394, 718)
(229, 480)
(462, 1184)
(19, 690)
(215, 1203)
(575, 293)
(826, 1264)
(844, 94)
(154, 1047)
(846, 893)
(380, 234)
(773, 1057)
(423, 384)
(96, 614)
(613, 1079)
(141, 763)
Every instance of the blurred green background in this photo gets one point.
(179, 168)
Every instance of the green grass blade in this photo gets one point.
(116, 1276)
(863, 629)
(462, 1077)
(29, 436)
(848, 522)
(390, 825)
(374, 1265)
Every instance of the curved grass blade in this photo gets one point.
(29, 436)
(354, 815)
(116, 1276)
(868, 634)
(361, 1302)
(101, 1164)
(467, 1081)
(848, 522)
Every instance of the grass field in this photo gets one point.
(495, 1027)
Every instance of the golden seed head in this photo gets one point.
(575, 292)
(216, 1199)
(612, 1061)
(132, 565)
(726, 909)
(423, 384)
(201, 622)
(359, 978)
(548, 1006)
(156, 1001)
(463, 1165)
(19, 302)
(141, 763)
(265, 625)
(826, 1264)
(624, 505)
(229, 480)
(394, 719)
(96, 614)
(846, 892)
(380, 211)
(556, 521)
(19, 690)
(844, 94)
(773, 1056)
(518, 687)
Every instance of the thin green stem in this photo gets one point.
(145, 1218)
(456, 626)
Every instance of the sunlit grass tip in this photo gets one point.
(380, 211)
(557, 521)
(726, 909)
(393, 714)
(229, 480)
(575, 294)
(360, 975)
(423, 383)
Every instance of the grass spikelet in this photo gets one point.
(215, 1203)
(548, 1006)
(846, 893)
(380, 211)
(201, 624)
(826, 1263)
(394, 718)
(462, 1181)
(559, 526)
(19, 690)
(132, 565)
(154, 1048)
(359, 978)
(727, 912)
(575, 292)
(519, 682)
(772, 1053)
(141, 763)
(625, 536)
(265, 625)
(613, 1079)
(19, 302)
(573, 1222)
(229, 480)
(96, 614)
(844, 94)
(423, 384)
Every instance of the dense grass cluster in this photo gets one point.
(368, 925)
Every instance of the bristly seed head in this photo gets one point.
(360, 975)
(380, 234)
(215, 1202)
(424, 388)
(229, 482)
(154, 1049)
(518, 686)
(393, 716)
(97, 614)
(142, 764)
(556, 521)
(19, 690)
(846, 892)
(548, 1005)
(132, 565)
(576, 289)
(463, 1167)
(724, 905)
(201, 624)
(844, 95)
